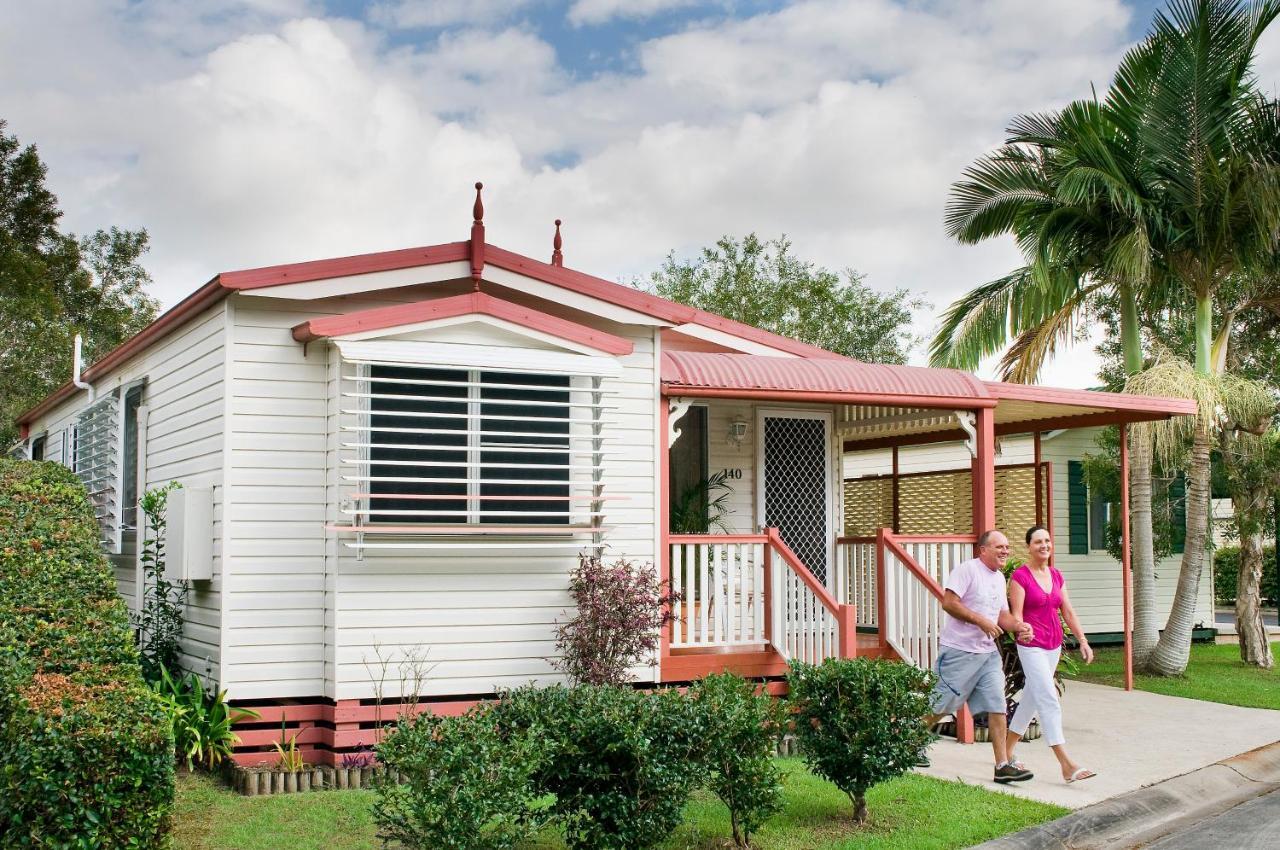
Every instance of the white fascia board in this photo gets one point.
(351, 284)
(492, 321)
(569, 298)
(728, 340)
(497, 358)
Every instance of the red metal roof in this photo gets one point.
(852, 382)
(873, 383)
(471, 303)
(1091, 398)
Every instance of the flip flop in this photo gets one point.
(1081, 774)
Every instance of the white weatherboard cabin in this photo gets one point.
(406, 452)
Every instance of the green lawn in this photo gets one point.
(1214, 674)
(911, 812)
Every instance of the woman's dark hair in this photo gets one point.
(1032, 530)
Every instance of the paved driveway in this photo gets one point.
(1131, 739)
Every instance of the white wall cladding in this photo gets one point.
(184, 442)
(306, 616)
(1094, 580)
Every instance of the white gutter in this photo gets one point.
(77, 365)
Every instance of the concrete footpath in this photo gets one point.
(1197, 809)
(1132, 739)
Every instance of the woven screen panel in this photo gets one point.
(942, 503)
(868, 506)
(937, 503)
(1016, 506)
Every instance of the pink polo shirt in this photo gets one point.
(982, 591)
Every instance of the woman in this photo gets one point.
(1038, 595)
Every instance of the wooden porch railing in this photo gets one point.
(910, 574)
(809, 624)
(741, 590)
(857, 566)
(721, 580)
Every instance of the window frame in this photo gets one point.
(567, 514)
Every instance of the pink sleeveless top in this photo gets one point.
(1041, 609)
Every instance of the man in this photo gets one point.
(968, 667)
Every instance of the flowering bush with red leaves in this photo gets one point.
(621, 608)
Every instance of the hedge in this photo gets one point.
(1226, 568)
(86, 749)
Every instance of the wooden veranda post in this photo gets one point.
(984, 515)
(1127, 576)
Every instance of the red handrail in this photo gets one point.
(845, 615)
(890, 542)
(718, 538)
(797, 566)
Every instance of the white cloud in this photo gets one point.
(589, 12)
(291, 137)
(433, 14)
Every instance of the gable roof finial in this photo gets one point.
(557, 258)
(477, 238)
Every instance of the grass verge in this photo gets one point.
(909, 813)
(1214, 674)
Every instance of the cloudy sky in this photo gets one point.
(249, 132)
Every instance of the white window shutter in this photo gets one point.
(97, 446)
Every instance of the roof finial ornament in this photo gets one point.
(557, 258)
(477, 238)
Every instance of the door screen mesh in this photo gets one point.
(795, 499)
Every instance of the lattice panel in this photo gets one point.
(868, 505)
(1016, 505)
(942, 503)
(939, 503)
(795, 462)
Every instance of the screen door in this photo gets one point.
(795, 467)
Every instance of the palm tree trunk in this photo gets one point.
(1173, 650)
(1146, 619)
(1254, 647)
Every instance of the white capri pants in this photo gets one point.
(1039, 694)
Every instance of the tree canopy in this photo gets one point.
(761, 283)
(54, 285)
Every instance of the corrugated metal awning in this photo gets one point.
(752, 374)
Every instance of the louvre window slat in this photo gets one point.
(488, 447)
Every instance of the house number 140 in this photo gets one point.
(731, 474)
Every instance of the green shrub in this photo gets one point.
(742, 729)
(467, 787)
(201, 720)
(860, 721)
(1226, 570)
(620, 763)
(86, 749)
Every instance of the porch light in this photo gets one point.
(738, 430)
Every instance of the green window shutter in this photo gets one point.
(1077, 509)
(1178, 518)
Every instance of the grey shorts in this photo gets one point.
(973, 677)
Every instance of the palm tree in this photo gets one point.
(1176, 185)
(1067, 186)
(1209, 150)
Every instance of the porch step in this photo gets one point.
(685, 665)
(695, 664)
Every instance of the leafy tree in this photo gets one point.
(54, 285)
(760, 283)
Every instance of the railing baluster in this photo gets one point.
(677, 565)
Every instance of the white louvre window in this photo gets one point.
(444, 450)
(96, 459)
